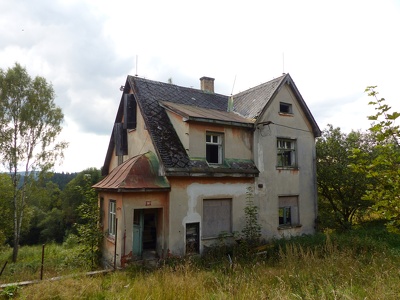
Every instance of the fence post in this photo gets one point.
(115, 244)
(41, 268)
(5, 264)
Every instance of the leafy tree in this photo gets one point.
(29, 125)
(5, 207)
(340, 188)
(384, 166)
(72, 197)
(47, 222)
(89, 232)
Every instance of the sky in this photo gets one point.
(333, 50)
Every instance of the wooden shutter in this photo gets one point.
(121, 139)
(129, 111)
(217, 217)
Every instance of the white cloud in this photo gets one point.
(332, 49)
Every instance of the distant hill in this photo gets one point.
(62, 179)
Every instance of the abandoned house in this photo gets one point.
(180, 161)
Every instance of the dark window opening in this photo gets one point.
(214, 149)
(285, 108)
(192, 238)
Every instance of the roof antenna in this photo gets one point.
(283, 63)
(233, 86)
(136, 64)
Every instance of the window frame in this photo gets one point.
(288, 211)
(286, 156)
(288, 106)
(219, 144)
(112, 217)
(209, 226)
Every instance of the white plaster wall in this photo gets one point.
(273, 182)
(237, 140)
(186, 206)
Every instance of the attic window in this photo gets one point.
(285, 108)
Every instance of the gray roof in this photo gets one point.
(251, 102)
(153, 98)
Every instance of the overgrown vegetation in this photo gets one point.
(251, 232)
(360, 264)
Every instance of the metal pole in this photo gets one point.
(115, 244)
(5, 264)
(41, 269)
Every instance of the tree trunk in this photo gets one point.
(16, 231)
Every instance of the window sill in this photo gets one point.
(216, 237)
(111, 238)
(286, 114)
(283, 227)
(287, 168)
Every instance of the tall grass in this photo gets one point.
(58, 260)
(362, 264)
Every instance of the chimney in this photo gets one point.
(207, 84)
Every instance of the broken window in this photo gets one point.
(286, 153)
(192, 238)
(112, 217)
(214, 148)
(288, 211)
(217, 217)
(285, 108)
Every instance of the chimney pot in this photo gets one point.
(207, 84)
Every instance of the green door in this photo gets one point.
(138, 222)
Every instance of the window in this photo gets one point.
(286, 153)
(192, 238)
(285, 108)
(217, 217)
(112, 217)
(214, 151)
(288, 211)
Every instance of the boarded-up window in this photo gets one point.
(288, 210)
(217, 217)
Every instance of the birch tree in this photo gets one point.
(30, 123)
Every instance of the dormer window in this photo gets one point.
(285, 108)
(214, 148)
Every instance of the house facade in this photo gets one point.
(180, 163)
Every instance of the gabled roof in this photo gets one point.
(253, 102)
(153, 98)
(139, 173)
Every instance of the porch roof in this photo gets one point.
(139, 173)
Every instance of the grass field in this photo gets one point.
(361, 264)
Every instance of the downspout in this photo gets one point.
(315, 188)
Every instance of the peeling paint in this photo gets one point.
(216, 190)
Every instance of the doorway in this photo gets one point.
(144, 231)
